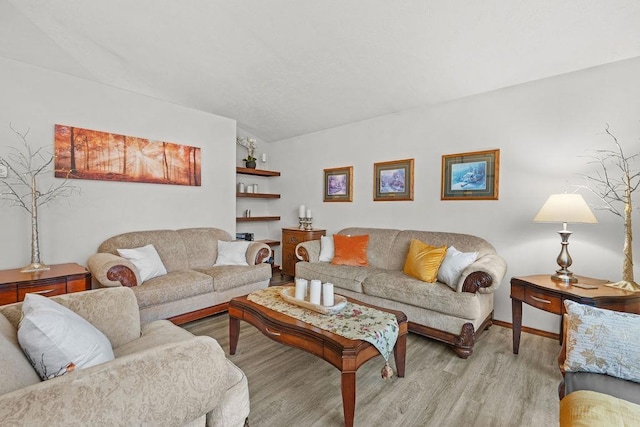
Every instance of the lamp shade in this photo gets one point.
(565, 208)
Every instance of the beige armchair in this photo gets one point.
(161, 374)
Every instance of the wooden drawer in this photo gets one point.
(543, 301)
(47, 290)
(77, 285)
(8, 294)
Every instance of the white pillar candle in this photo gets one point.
(327, 295)
(264, 157)
(301, 288)
(301, 211)
(308, 213)
(315, 291)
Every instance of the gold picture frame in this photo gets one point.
(393, 181)
(338, 184)
(471, 176)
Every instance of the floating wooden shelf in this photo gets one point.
(269, 242)
(256, 172)
(257, 218)
(259, 195)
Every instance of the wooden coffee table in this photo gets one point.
(345, 354)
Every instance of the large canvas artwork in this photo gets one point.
(91, 154)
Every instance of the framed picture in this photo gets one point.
(393, 180)
(471, 176)
(338, 184)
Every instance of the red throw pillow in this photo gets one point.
(350, 250)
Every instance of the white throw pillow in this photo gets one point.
(146, 260)
(56, 340)
(453, 264)
(326, 249)
(232, 253)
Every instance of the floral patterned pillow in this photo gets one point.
(602, 341)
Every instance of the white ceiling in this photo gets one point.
(283, 68)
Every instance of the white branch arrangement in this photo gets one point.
(20, 188)
(614, 182)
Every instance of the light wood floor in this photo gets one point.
(494, 387)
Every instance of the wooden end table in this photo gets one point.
(345, 354)
(541, 292)
(59, 279)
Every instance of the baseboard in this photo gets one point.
(533, 331)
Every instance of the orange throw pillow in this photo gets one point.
(423, 261)
(350, 250)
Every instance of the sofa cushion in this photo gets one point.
(232, 253)
(590, 408)
(396, 286)
(15, 370)
(602, 341)
(202, 245)
(56, 340)
(326, 249)
(423, 261)
(227, 277)
(173, 286)
(146, 260)
(342, 276)
(350, 250)
(380, 242)
(453, 264)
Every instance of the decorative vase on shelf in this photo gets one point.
(251, 165)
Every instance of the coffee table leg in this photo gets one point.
(399, 354)
(349, 397)
(516, 314)
(234, 333)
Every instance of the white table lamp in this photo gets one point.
(565, 208)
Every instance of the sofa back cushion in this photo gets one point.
(168, 243)
(15, 370)
(379, 246)
(201, 245)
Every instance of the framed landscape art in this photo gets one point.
(393, 180)
(338, 184)
(471, 176)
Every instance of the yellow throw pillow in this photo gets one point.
(423, 261)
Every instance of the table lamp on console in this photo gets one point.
(565, 208)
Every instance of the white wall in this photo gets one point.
(541, 128)
(71, 229)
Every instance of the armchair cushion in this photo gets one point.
(16, 371)
(146, 260)
(602, 341)
(56, 340)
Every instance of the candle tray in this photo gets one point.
(289, 292)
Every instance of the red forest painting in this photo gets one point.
(91, 154)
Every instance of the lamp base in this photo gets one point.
(564, 277)
(34, 267)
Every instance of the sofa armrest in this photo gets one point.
(111, 270)
(484, 275)
(308, 251)
(257, 253)
(171, 384)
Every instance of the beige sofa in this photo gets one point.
(162, 375)
(192, 288)
(435, 310)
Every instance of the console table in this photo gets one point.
(549, 295)
(60, 279)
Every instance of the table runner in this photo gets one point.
(354, 321)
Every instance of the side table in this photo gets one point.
(290, 239)
(541, 292)
(60, 279)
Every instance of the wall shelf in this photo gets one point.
(257, 218)
(256, 172)
(258, 195)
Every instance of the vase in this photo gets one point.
(250, 165)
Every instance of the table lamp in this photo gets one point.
(565, 208)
